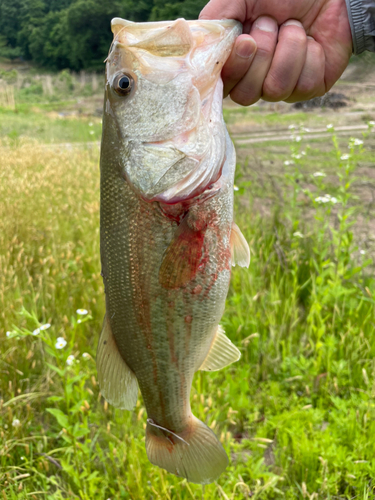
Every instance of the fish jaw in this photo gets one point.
(170, 124)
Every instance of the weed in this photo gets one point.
(296, 414)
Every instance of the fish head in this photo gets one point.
(164, 93)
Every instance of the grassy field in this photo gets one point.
(296, 414)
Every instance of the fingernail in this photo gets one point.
(266, 24)
(293, 22)
(245, 48)
(310, 37)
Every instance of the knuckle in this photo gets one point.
(316, 51)
(265, 52)
(275, 88)
(293, 34)
(307, 86)
(243, 97)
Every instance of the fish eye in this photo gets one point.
(123, 84)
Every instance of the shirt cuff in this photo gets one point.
(362, 24)
(357, 24)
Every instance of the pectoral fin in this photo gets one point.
(182, 258)
(118, 384)
(240, 250)
(221, 354)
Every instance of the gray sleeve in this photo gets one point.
(362, 23)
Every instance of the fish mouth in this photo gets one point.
(202, 45)
(180, 168)
(178, 66)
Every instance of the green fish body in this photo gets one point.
(168, 240)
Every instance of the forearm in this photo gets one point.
(362, 23)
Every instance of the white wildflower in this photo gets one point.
(319, 174)
(297, 234)
(70, 360)
(292, 127)
(289, 162)
(22, 458)
(86, 355)
(305, 129)
(322, 199)
(362, 252)
(79, 321)
(327, 198)
(91, 132)
(297, 157)
(8, 334)
(303, 153)
(36, 332)
(82, 312)
(91, 124)
(16, 423)
(355, 142)
(45, 327)
(330, 126)
(236, 188)
(60, 343)
(371, 123)
(298, 138)
(345, 157)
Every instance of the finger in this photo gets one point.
(238, 62)
(222, 9)
(249, 89)
(311, 81)
(287, 63)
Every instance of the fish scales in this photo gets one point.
(166, 233)
(142, 315)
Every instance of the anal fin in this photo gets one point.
(118, 384)
(240, 250)
(221, 354)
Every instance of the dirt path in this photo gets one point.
(256, 137)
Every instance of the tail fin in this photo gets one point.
(196, 453)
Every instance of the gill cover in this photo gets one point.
(170, 125)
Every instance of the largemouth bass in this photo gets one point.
(167, 234)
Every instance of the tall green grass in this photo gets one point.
(295, 414)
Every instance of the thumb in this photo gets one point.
(222, 9)
(239, 62)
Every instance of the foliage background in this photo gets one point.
(75, 34)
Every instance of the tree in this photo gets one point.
(136, 11)
(89, 31)
(188, 9)
(32, 14)
(10, 25)
(76, 34)
(49, 43)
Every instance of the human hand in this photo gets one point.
(291, 50)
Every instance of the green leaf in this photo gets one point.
(57, 370)
(54, 399)
(79, 431)
(60, 417)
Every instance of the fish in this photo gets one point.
(167, 236)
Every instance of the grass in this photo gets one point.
(48, 127)
(296, 414)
